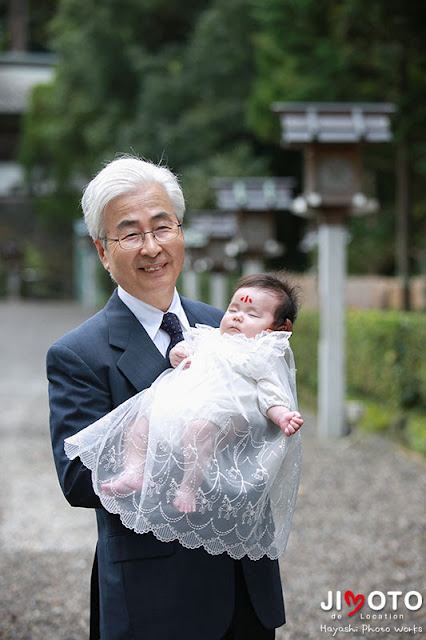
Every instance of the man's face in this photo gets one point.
(150, 272)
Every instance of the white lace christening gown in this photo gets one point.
(204, 427)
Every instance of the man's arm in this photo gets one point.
(77, 398)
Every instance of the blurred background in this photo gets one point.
(195, 85)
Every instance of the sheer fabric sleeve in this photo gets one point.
(270, 363)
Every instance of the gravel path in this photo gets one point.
(359, 523)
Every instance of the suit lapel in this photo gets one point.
(140, 361)
(189, 311)
(196, 312)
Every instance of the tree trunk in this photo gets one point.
(403, 193)
(18, 25)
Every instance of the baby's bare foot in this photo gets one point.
(124, 485)
(185, 501)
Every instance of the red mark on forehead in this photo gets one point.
(246, 299)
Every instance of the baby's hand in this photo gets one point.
(178, 354)
(290, 422)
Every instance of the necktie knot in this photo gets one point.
(173, 327)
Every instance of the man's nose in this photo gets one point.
(150, 246)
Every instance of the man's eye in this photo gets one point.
(131, 240)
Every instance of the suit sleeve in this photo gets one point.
(77, 398)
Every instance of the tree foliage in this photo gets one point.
(193, 86)
(148, 78)
(356, 51)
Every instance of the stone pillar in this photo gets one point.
(191, 284)
(218, 290)
(331, 354)
(252, 266)
(86, 265)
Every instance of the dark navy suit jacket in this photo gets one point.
(147, 589)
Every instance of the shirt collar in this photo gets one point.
(151, 317)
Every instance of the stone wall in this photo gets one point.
(368, 292)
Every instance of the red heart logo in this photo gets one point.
(359, 598)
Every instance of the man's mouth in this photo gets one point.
(152, 269)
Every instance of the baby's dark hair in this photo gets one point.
(287, 294)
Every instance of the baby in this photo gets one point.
(204, 428)
(252, 310)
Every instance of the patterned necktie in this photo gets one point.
(173, 327)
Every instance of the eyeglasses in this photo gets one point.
(135, 240)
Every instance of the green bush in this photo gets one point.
(415, 433)
(385, 368)
(304, 343)
(386, 358)
(374, 418)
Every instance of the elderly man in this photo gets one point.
(144, 589)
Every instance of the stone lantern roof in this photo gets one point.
(334, 122)
(19, 73)
(253, 194)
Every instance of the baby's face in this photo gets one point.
(250, 312)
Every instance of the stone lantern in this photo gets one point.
(206, 238)
(254, 201)
(331, 136)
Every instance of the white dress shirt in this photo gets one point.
(151, 317)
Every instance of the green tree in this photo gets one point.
(147, 78)
(106, 58)
(173, 89)
(194, 88)
(353, 50)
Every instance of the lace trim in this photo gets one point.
(250, 525)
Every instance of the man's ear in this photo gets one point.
(101, 253)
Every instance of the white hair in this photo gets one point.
(121, 176)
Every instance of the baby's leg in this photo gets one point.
(197, 446)
(135, 445)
